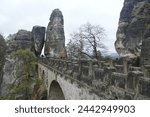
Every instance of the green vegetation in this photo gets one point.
(25, 75)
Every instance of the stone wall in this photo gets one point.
(103, 77)
(71, 88)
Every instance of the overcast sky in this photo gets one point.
(24, 14)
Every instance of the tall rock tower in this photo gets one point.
(55, 38)
(134, 21)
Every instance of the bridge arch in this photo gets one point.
(55, 91)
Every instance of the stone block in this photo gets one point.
(144, 86)
(99, 73)
(119, 68)
(85, 71)
(132, 68)
(118, 80)
(133, 80)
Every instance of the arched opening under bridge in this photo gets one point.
(55, 92)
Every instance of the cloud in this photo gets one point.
(24, 14)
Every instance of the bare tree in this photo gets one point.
(72, 49)
(89, 40)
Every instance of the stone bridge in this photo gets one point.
(91, 79)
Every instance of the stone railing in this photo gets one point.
(115, 81)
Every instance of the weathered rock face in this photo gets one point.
(55, 39)
(145, 51)
(21, 40)
(13, 69)
(134, 20)
(2, 58)
(2, 51)
(38, 34)
(8, 75)
(19, 72)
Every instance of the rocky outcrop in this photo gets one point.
(14, 81)
(134, 20)
(55, 38)
(2, 51)
(38, 34)
(19, 75)
(145, 51)
(2, 58)
(8, 75)
(21, 40)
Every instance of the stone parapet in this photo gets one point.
(104, 77)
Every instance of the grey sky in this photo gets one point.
(24, 14)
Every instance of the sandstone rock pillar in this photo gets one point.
(38, 34)
(55, 38)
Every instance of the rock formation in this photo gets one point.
(2, 58)
(38, 34)
(2, 51)
(8, 76)
(21, 40)
(145, 51)
(134, 20)
(22, 43)
(55, 38)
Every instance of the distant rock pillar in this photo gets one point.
(55, 38)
